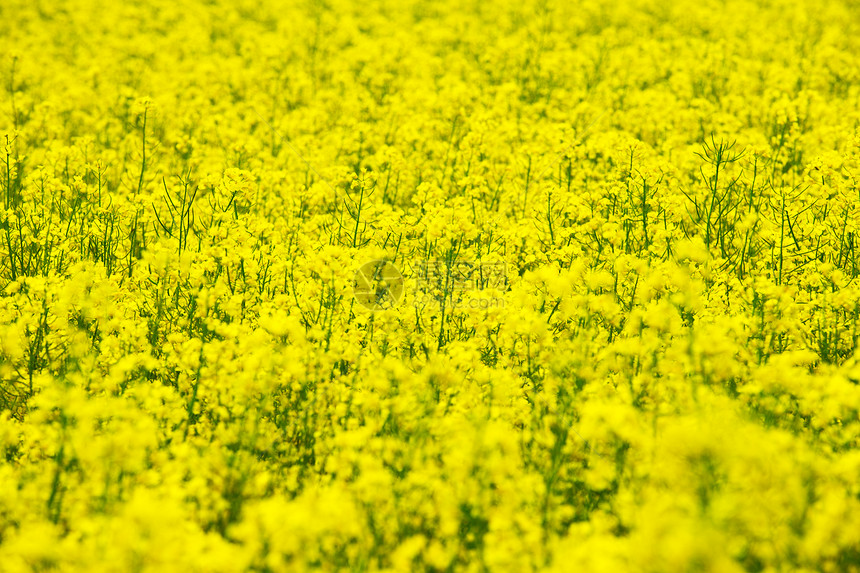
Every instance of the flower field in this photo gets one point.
(443, 286)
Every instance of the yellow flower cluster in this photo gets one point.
(397, 285)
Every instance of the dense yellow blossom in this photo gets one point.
(398, 285)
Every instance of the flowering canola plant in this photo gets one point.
(202, 368)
